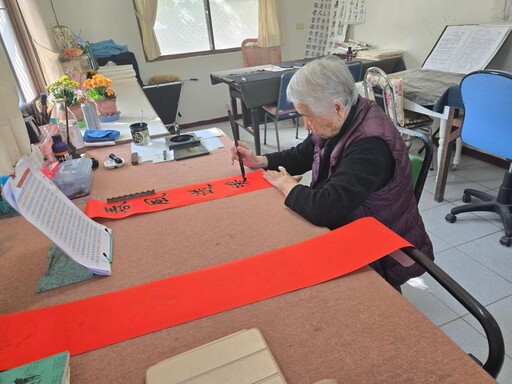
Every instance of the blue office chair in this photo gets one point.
(487, 126)
(283, 110)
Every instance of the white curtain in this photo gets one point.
(41, 39)
(14, 140)
(145, 11)
(268, 31)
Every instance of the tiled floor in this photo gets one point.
(468, 250)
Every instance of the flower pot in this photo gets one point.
(76, 110)
(106, 107)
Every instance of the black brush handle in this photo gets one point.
(235, 138)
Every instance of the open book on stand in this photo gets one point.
(44, 205)
(466, 48)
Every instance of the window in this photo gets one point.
(194, 26)
(12, 49)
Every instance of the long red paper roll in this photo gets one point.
(177, 197)
(96, 322)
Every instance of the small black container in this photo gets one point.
(140, 133)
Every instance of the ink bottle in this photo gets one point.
(60, 149)
(350, 54)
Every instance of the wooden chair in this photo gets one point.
(253, 55)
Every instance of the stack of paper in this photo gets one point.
(378, 54)
(242, 357)
(117, 72)
(50, 370)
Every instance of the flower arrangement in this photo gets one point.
(68, 89)
(98, 88)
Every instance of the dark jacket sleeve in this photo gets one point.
(366, 166)
(296, 160)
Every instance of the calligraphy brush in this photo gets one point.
(235, 138)
(44, 108)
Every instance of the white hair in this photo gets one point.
(320, 83)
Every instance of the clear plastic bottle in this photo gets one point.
(60, 114)
(91, 115)
(75, 136)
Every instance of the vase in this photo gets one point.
(60, 110)
(106, 107)
(76, 110)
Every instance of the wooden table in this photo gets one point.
(354, 329)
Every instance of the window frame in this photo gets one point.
(211, 38)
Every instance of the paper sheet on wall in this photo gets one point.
(351, 11)
(328, 24)
(44, 205)
(466, 48)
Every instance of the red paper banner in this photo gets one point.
(177, 197)
(99, 321)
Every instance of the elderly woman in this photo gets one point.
(359, 162)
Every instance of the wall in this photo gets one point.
(410, 25)
(115, 19)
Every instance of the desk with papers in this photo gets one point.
(352, 329)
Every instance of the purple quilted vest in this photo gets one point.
(394, 205)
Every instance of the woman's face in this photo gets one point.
(325, 127)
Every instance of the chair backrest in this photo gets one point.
(282, 102)
(378, 87)
(253, 55)
(356, 69)
(420, 165)
(487, 124)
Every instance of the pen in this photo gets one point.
(116, 159)
(235, 138)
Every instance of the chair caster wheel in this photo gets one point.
(506, 241)
(450, 218)
(466, 198)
